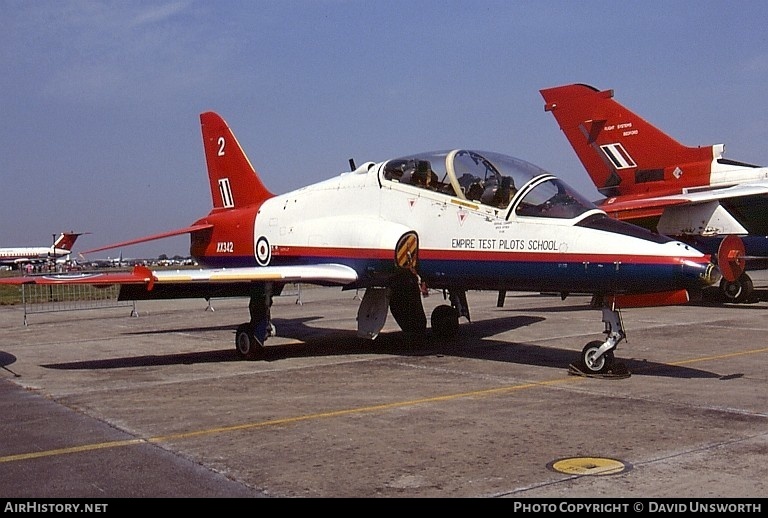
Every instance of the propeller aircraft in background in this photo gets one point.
(453, 220)
(690, 193)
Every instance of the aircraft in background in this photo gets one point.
(453, 220)
(109, 262)
(690, 193)
(15, 257)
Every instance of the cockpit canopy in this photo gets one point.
(491, 179)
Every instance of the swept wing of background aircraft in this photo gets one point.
(455, 220)
(16, 256)
(690, 193)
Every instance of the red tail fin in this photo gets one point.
(234, 181)
(66, 240)
(622, 152)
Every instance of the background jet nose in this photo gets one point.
(711, 275)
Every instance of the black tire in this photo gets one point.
(602, 366)
(246, 344)
(445, 321)
(737, 291)
(406, 306)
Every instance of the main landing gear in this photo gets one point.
(248, 346)
(445, 321)
(251, 336)
(597, 358)
(445, 318)
(735, 286)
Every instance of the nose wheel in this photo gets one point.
(592, 362)
(736, 285)
(738, 290)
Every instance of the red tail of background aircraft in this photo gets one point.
(651, 179)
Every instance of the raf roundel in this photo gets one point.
(263, 251)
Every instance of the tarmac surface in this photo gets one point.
(102, 404)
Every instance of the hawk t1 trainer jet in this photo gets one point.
(690, 193)
(453, 220)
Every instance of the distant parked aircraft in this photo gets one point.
(17, 256)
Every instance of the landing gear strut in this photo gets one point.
(251, 336)
(597, 358)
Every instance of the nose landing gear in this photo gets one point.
(736, 286)
(597, 359)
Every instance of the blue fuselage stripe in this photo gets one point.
(515, 275)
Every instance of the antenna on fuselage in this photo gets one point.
(352, 164)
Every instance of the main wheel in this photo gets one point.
(445, 321)
(737, 291)
(602, 365)
(246, 343)
(406, 306)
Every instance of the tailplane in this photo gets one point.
(622, 152)
(234, 185)
(234, 182)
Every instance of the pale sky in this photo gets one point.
(100, 101)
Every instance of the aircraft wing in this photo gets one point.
(314, 273)
(736, 191)
(624, 203)
(103, 279)
(25, 260)
(685, 198)
(177, 232)
(333, 274)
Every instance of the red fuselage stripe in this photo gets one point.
(474, 255)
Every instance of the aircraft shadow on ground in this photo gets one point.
(6, 359)
(713, 297)
(472, 342)
(710, 298)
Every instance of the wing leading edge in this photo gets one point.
(323, 274)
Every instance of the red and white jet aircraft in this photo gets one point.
(16, 256)
(690, 193)
(454, 220)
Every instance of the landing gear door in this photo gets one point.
(372, 314)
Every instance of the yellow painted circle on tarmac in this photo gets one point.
(592, 466)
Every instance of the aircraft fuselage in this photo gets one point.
(358, 219)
